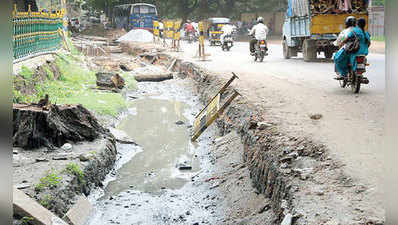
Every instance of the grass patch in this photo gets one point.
(50, 74)
(74, 169)
(74, 86)
(131, 83)
(378, 38)
(50, 181)
(26, 73)
(45, 201)
(26, 220)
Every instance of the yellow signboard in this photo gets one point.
(156, 28)
(206, 117)
(201, 32)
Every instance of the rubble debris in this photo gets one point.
(287, 220)
(184, 166)
(263, 125)
(80, 212)
(154, 77)
(66, 147)
(34, 127)
(22, 186)
(41, 160)
(180, 122)
(316, 116)
(110, 80)
(121, 136)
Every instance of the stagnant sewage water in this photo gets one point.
(146, 186)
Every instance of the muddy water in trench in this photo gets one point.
(160, 128)
(149, 188)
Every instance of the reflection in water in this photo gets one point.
(165, 143)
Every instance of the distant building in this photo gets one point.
(376, 18)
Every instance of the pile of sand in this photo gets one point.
(138, 35)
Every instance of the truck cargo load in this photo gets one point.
(311, 26)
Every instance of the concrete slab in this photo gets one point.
(80, 212)
(23, 205)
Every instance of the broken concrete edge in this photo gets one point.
(25, 206)
(263, 146)
(72, 187)
(80, 212)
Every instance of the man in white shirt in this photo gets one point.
(227, 29)
(161, 28)
(259, 31)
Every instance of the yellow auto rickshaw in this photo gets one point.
(214, 29)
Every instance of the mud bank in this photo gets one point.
(57, 177)
(296, 174)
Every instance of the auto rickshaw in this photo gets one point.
(214, 29)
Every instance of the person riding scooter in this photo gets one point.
(259, 32)
(341, 58)
(227, 30)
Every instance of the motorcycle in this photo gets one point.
(190, 37)
(228, 43)
(356, 78)
(260, 50)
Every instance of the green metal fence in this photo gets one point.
(36, 32)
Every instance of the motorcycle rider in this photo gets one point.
(364, 41)
(259, 31)
(341, 58)
(227, 29)
(189, 28)
(161, 29)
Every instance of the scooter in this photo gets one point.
(355, 78)
(228, 43)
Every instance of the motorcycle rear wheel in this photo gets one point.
(356, 85)
(343, 83)
(261, 57)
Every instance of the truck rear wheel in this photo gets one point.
(309, 50)
(328, 53)
(286, 52)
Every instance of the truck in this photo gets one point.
(311, 26)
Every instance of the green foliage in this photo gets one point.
(378, 2)
(74, 86)
(131, 83)
(26, 220)
(74, 169)
(45, 201)
(50, 74)
(17, 97)
(26, 73)
(49, 181)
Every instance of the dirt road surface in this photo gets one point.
(351, 125)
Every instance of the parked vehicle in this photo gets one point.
(214, 30)
(135, 16)
(308, 30)
(228, 43)
(355, 79)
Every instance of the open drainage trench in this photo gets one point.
(146, 186)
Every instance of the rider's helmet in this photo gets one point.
(350, 21)
(260, 20)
